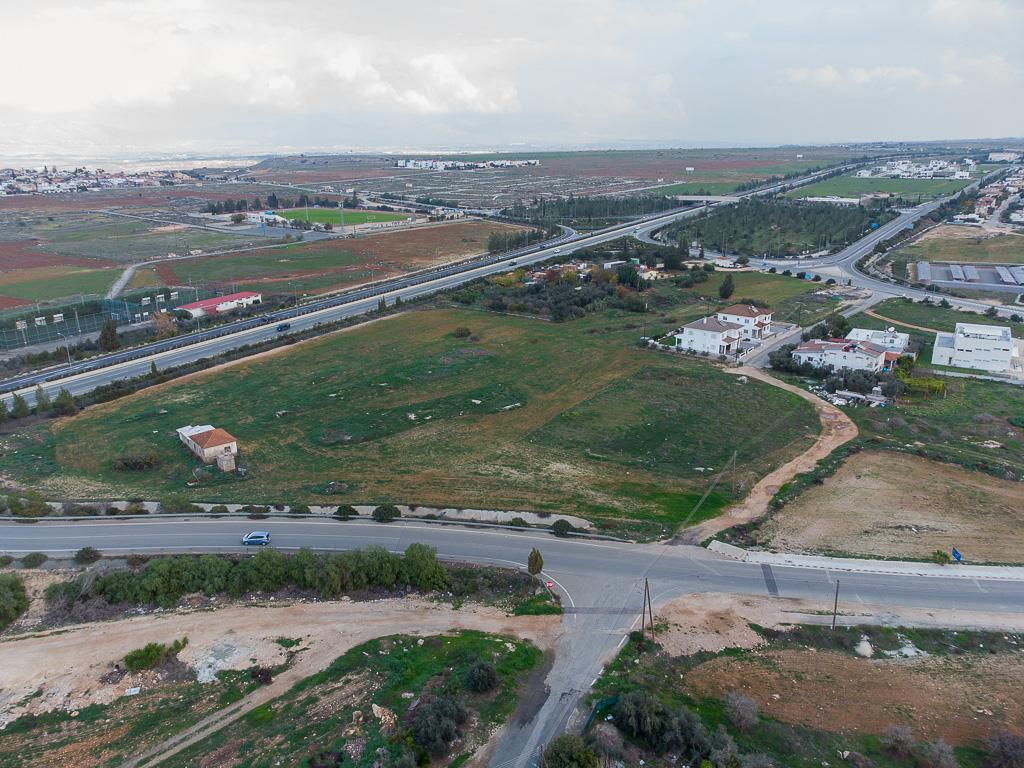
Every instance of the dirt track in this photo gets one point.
(66, 664)
(836, 430)
(900, 322)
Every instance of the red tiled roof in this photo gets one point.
(744, 310)
(212, 438)
(217, 300)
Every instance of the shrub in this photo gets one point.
(899, 740)
(568, 751)
(421, 569)
(385, 513)
(742, 710)
(462, 332)
(152, 655)
(137, 461)
(28, 504)
(938, 754)
(13, 599)
(645, 718)
(219, 509)
(482, 677)
(436, 723)
(345, 512)
(62, 593)
(1005, 749)
(299, 509)
(178, 505)
(34, 559)
(5, 560)
(941, 557)
(87, 555)
(562, 527)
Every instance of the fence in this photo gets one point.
(58, 322)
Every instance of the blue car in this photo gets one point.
(256, 539)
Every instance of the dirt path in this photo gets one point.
(899, 322)
(836, 429)
(66, 665)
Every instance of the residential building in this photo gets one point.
(983, 347)
(755, 322)
(710, 335)
(221, 304)
(210, 444)
(888, 339)
(845, 354)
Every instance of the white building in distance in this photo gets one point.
(710, 335)
(983, 347)
(844, 354)
(888, 339)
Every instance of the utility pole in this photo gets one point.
(835, 607)
(647, 610)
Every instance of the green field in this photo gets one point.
(273, 261)
(334, 216)
(694, 187)
(64, 282)
(1001, 249)
(910, 189)
(538, 416)
(939, 318)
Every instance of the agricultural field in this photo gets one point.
(913, 190)
(869, 509)
(331, 264)
(519, 414)
(966, 245)
(183, 198)
(745, 688)
(334, 216)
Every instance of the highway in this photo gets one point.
(85, 376)
(601, 582)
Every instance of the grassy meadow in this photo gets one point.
(524, 414)
(909, 189)
(333, 216)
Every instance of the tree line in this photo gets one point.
(273, 202)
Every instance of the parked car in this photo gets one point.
(256, 539)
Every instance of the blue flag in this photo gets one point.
(956, 554)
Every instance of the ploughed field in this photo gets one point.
(519, 414)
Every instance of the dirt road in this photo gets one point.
(900, 322)
(836, 429)
(66, 664)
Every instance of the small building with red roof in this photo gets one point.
(221, 304)
(211, 444)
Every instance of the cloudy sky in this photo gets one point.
(112, 77)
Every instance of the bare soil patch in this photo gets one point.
(23, 254)
(65, 668)
(900, 505)
(957, 698)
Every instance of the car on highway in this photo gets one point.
(256, 539)
(283, 327)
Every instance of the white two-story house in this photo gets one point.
(755, 322)
(710, 335)
(844, 354)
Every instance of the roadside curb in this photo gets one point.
(855, 565)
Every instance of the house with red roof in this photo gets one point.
(211, 444)
(221, 304)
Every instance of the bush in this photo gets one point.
(62, 593)
(462, 332)
(899, 740)
(385, 513)
(482, 677)
(34, 559)
(646, 719)
(436, 723)
(941, 557)
(13, 599)
(28, 504)
(345, 512)
(152, 655)
(5, 560)
(742, 710)
(137, 461)
(562, 527)
(178, 505)
(421, 569)
(938, 754)
(568, 751)
(299, 509)
(1005, 749)
(535, 562)
(219, 509)
(87, 555)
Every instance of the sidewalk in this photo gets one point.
(856, 565)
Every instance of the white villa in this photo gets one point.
(710, 335)
(889, 339)
(983, 347)
(844, 354)
(755, 322)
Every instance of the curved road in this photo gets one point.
(601, 582)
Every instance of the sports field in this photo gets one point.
(909, 189)
(530, 415)
(334, 216)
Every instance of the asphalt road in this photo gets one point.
(601, 583)
(82, 377)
